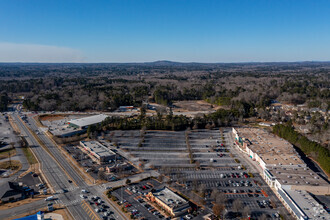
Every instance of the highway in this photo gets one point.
(53, 173)
(71, 174)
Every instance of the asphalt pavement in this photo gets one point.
(53, 173)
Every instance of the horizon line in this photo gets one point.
(167, 61)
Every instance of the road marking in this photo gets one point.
(94, 215)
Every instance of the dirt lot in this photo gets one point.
(199, 105)
(51, 117)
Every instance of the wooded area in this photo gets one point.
(308, 147)
(80, 87)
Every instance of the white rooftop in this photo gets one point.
(82, 122)
(308, 204)
(170, 198)
(98, 148)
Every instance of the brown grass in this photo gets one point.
(14, 165)
(22, 202)
(5, 153)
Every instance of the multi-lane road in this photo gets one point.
(58, 172)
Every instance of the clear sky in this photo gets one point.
(150, 30)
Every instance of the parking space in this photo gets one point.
(7, 135)
(99, 206)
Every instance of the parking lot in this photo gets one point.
(159, 148)
(220, 168)
(132, 198)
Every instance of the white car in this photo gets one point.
(49, 198)
(82, 196)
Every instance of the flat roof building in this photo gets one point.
(284, 171)
(97, 151)
(83, 123)
(302, 205)
(170, 201)
(266, 148)
(300, 178)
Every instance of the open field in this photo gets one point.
(199, 105)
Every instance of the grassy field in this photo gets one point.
(29, 155)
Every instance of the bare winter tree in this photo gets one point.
(246, 212)
(218, 209)
(237, 205)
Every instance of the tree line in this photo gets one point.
(308, 147)
(4, 101)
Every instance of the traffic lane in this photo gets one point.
(55, 151)
(49, 163)
(59, 157)
(23, 209)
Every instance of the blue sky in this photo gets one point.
(180, 30)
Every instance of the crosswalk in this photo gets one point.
(70, 202)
